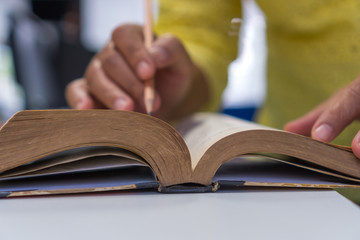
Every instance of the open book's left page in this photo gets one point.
(32, 135)
(81, 170)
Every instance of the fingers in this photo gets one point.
(326, 122)
(128, 64)
(117, 69)
(168, 51)
(176, 70)
(342, 109)
(128, 40)
(303, 125)
(106, 90)
(77, 95)
(115, 77)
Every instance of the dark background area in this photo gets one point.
(47, 51)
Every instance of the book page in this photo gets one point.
(263, 171)
(34, 134)
(83, 180)
(204, 129)
(77, 160)
(89, 164)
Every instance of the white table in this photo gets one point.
(245, 214)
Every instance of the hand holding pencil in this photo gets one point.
(120, 74)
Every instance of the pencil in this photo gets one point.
(149, 92)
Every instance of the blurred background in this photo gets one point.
(44, 44)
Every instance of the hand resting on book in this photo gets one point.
(327, 120)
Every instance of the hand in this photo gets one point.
(326, 121)
(116, 75)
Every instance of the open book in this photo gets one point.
(72, 151)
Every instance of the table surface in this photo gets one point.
(245, 214)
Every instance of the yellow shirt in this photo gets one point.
(313, 50)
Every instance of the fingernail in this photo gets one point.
(159, 54)
(120, 104)
(323, 132)
(144, 70)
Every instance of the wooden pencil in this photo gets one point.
(149, 91)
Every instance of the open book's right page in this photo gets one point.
(204, 129)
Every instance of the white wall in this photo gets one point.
(100, 19)
(247, 74)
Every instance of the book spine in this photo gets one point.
(230, 184)
(189, 188)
